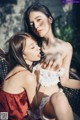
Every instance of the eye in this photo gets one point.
(32, 47)
(38, 20)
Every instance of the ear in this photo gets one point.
(50, 19)
(24, 56)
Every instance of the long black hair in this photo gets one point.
(36, 7)
(15, 54)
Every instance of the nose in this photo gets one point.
(38, 48)
(36, 25)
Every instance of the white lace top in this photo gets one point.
(48, 77)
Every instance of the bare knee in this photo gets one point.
(57, 97)
(59, 100)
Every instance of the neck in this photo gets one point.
(50, 37)
(28, 62)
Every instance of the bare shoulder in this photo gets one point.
(66, 45)
(16, 72)
(29, 77)
(22, 73)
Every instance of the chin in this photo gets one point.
(38, 59)
(40, 35)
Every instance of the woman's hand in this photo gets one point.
(52, 63)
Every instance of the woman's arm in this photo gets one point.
(65, 81)
(30, 85)
(71, 83)
(67, 61)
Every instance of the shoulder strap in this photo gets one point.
(14, 74)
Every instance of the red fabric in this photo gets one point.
(15, 104)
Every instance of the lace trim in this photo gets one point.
(48, 77)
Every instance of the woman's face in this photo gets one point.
(40, 23)
(31, 51)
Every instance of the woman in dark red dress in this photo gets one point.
(18, 88)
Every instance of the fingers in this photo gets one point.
(48, 65)
(43, 65)
(51, 65)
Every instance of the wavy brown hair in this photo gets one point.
(15, 54)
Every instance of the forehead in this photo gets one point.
(35, 14)
(30, 41)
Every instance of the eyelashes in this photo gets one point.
(38, 21)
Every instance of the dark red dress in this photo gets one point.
(15, 104)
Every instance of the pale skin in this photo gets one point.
(58, 101)
(20, 79)
(26, 80)
(21, 83)
(59, 53)
(63, 54)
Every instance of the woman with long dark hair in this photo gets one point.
(39, 22)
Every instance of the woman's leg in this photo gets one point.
(59, 107)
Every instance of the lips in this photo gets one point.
(39, 55)
(39, 30)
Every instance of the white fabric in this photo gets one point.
(48, 77)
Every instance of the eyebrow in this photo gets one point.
(32, 44)
(35, 18)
